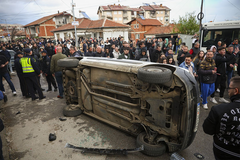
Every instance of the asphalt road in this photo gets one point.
(26, 134)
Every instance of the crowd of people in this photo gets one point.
(218, 60)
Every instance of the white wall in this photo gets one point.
(107, 33)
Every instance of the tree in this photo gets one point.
(14, 32)
(187, 24)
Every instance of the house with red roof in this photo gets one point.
(124, 14)
(44, 25)
(103, 28)
(139, 27)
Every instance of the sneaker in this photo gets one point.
(218, 90)
(14, 93)
(223, 100)
(59, 97)
(213, 100)
(205, 106)
(49, 90)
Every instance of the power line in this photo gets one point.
(37, 4)
(234, 5)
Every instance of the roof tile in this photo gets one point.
(43, 19)
(85, 23)
(149, 22)
(160, 30)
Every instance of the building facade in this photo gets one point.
(43, 26)
(124, 14)
(139, 27)
(103, 28)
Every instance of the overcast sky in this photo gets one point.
(26, 11)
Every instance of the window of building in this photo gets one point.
(119, 12)
(109, 13)
(115, 19)
(161, 18)
(137, 36)
(158, 18)
(161, 12)
(137, 25)
(38, 30)
(120, 19)
(115, 12)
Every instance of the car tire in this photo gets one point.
(72, 89)
(158, 75)
(71, 111)
(150, 149)
(69, 63)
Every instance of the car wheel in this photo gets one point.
(71, 111)
(154, 74)
(150, 149)
(72, 90)
(66, 62)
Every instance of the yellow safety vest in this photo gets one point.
(26, 65)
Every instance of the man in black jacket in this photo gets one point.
(182, 54)
(223, 122)
(45, 64)
(230, 63)
(22, 81)
(155, 54)
(49, 49)
(220, 61)
(99, 52)
(151, 51)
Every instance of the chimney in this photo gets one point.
(160, 5)
(58, 12)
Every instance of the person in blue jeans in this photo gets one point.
(4, 73)
(207, 73)
(55, 69)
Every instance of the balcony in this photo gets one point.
(166, 14)
(109, 16)
(153, 16)
(125, 15)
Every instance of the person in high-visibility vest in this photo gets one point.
(30, 72)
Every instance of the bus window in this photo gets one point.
(211, 37)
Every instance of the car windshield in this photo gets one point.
(211, 37)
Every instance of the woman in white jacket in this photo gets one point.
(116, 53)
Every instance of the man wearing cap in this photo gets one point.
(22, 81)
(30, 69)
(221, 65)
(125, 54)
(45, 63)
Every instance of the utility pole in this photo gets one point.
(76, 39)
(200, 17)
